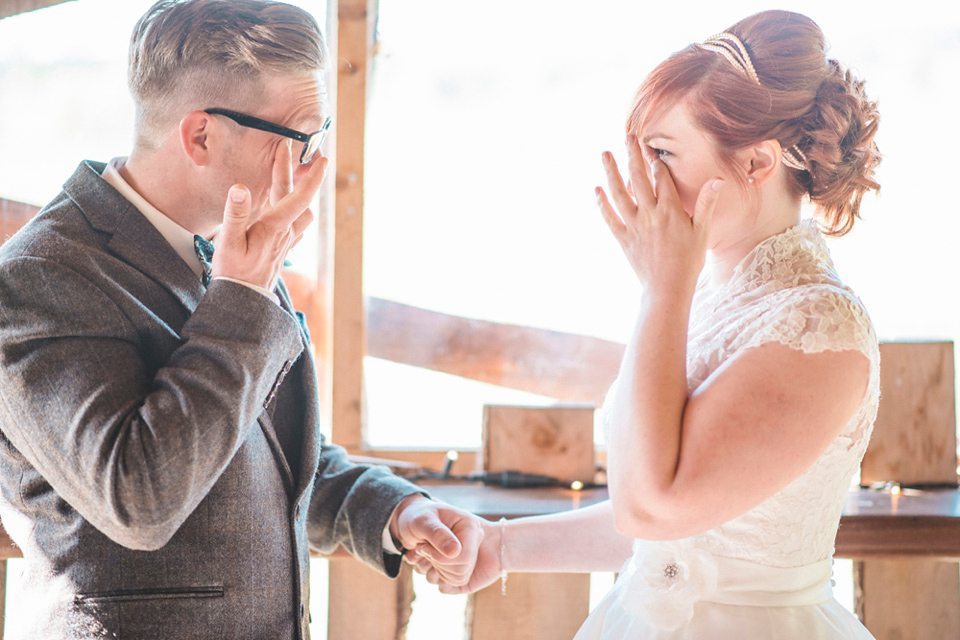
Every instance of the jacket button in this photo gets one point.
(296, 513)
(303, 610)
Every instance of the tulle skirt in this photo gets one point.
(738, 600)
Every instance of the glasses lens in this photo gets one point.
(311, 146)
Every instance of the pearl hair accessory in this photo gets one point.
(733, 49)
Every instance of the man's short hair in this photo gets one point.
(198, 54)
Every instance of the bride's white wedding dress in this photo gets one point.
(766, 574)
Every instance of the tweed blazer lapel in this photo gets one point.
(312, 439)
(133, 238)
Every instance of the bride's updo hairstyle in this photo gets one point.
(768, 78)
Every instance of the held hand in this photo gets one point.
(444, 537)
(254, 252)
(664, 244)
(485, 572)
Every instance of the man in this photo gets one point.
(160, 462)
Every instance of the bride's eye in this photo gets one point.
(661, 153)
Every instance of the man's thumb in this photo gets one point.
(236, 213)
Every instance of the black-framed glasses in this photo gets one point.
(311, 141)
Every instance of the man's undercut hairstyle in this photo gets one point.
(199, 54)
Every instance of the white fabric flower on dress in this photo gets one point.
(665, 579)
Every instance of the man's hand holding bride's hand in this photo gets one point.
(441, 539)
(485, 570)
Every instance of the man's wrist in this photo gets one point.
(391, 533)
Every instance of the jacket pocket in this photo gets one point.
(168, 593)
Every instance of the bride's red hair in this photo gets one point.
(803, 99)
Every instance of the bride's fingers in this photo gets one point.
(609, 214)
(663, 184)
(640, 185)
(618, 191)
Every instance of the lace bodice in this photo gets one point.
(787, 290)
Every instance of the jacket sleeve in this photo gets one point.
(132, 447)
(352, 504)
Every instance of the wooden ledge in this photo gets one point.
(875, 524)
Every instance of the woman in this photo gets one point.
(749, 387)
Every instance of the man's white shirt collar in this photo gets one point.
(178, 237)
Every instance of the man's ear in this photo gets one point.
(196, 131)
(761, 161)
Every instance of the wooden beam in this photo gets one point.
(354, 22)
(571, 368)
(13, 7)
(914, 441)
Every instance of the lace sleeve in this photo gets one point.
(816, 318)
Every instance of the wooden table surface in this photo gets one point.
(875, 523)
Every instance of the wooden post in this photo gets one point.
(914, 441)
(555, 441)
(365, 604)
(354, 22)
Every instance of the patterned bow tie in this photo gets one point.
(204, 250)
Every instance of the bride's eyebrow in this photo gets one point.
(662, 136)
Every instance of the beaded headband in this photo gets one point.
(731, 48)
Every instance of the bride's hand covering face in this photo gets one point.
(663, 220)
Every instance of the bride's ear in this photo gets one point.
(760, 161)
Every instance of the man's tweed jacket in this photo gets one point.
(141, 471)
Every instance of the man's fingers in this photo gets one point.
(282, 172)
(301, 223)
(442, 539)
(236, 216)
(293, 204)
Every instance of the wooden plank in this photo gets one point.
(3, 596)
(555, 441)
(903, 599)
(559, 365)
(346, 342)
(538, 606)
(915, 436)
(551, 441)
(366, 604)
(13, 7)
(890, 524)
(914, 441)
